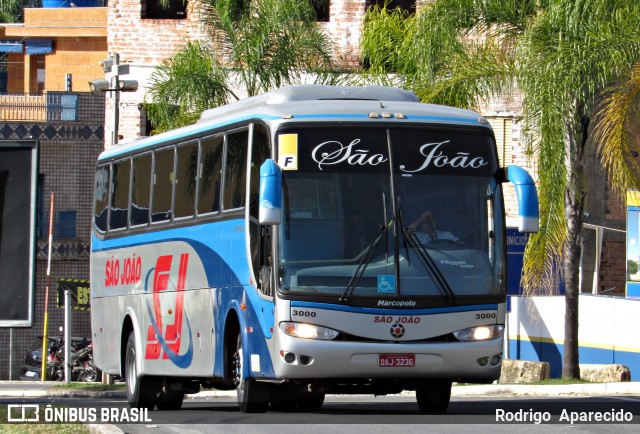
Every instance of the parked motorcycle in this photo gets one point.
(82, 366)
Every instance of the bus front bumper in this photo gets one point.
(316, 359)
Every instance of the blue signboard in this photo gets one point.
(516, 243)
(633, 244)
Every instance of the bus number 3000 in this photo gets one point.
(304, 313)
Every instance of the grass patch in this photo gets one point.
(37, 428)
(549, 382)
(92, 387)
(560, 381)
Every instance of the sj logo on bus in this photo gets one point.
(166, 339)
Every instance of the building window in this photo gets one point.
(322, 9)
(173, 10)
(407, 5)
(4, 73)
(66, 227)
(502, 129)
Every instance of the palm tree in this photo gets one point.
(256, 46)
(562, 54)
(617, 131)
(11, 11)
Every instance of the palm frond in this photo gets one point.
(617, 132)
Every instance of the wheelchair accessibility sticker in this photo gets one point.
(386, 284)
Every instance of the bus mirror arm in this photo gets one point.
(270, 196)
(527, 195)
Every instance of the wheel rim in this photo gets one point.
(237, 368)
(131, 373)
(90, 372)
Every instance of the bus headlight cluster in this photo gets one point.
(308, 331)
(481, 333)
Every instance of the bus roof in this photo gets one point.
(313, 103)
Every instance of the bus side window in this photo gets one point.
(186, 180)
(235, 170)
(209, 179)
(101, 197)
(162, 185)
(141, 190)
(119, 214)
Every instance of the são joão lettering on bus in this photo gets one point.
(127, 273)
(334, 152)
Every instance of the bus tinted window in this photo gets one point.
(236, 170)
(101, 190)
(209, 181)
(260, 152)
(141, 190)
(120, 195)
(162, 185)
(186, 180)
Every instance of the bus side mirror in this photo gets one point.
(270, 197)
(527, 195)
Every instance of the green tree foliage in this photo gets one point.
(632, 267)
(255, 46)
(11, 11)
(574, 61)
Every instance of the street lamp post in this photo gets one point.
(112, 64)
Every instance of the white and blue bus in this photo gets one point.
(308, 241)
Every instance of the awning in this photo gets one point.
(10, 46)
(39, 46)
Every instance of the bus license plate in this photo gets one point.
(396, 360)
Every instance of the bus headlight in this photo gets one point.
(308, 331)
(481, 333)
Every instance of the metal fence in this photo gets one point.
(49, 106)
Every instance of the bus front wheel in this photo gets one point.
(433, 396)
(142, 391)
(253, 396)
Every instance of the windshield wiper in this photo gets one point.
(362, 266)
(429, 264)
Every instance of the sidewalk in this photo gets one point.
(38, 389)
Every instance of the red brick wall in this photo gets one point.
(148, 41)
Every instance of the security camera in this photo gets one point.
(128, 85)
(106, 64)
(97, 86)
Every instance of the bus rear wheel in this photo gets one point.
(433, 396)
(253, 396)
(142, 391)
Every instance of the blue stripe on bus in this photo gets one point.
(390, 311)
(221, 272)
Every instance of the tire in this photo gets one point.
(170, 400)
(142, 391)
(433, 396)
(90, 373)
(253, 396)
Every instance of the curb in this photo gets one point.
(590, 389)
(587, 389)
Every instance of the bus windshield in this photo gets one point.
(410, 212)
